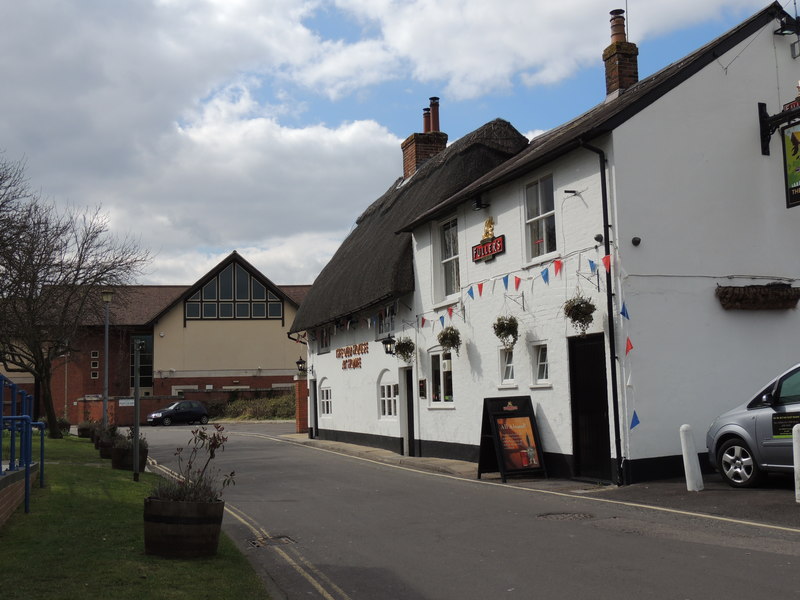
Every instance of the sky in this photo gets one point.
(200, 127)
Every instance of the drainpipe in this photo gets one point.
(612, 335)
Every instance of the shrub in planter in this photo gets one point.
(86, 429)
(183, 516)
(580, 311)
(122, 452)
(507, 331)
(450, 339)
(105, 440)
(404, 348)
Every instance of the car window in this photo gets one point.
(758, 401)
(789, 390)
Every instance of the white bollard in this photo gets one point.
(691, 463)
(796, 456)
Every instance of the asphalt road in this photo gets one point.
(317, 524)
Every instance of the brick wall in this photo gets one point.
(12, 492)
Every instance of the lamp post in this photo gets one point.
(106, 295)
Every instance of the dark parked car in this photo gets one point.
(756, 437)
(183, 411)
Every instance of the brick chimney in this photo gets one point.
(419, 147)
(622, 66)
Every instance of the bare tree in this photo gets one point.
(52, 267)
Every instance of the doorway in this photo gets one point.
(591, 440)
(409, 442)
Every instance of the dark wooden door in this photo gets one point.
(589, 396)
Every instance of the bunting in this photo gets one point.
(635, 420)
(624, 312)
(470, 293)
(505, 282)
(546, 276)
(607, 262)
(517, 281)
(557, 264)
(628, 346)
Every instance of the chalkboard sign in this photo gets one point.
(510, 441)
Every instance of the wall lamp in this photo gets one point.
(388, 345)
(479, 204)
(301, 365)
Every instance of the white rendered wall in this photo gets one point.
(690, 181)
(477, 371)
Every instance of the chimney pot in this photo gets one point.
(434, 113)
(618, 26)
(419, 147)
(622, 64)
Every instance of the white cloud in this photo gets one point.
(190, 121)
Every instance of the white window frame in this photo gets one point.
(387, 398)
(507, 369)
(446, 261)
(385, 322)
(439, 380)
(543, 216)
(323, 340)
(325, 401)
(537, 365)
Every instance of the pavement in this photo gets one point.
(773, 504)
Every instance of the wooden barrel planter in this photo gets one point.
(122, 458)
(177, 529)
(105, 448)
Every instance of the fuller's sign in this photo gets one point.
(488, 249)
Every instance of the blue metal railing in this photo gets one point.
(21, 426)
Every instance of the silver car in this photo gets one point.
(755, 438)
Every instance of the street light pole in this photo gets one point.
(106, 295)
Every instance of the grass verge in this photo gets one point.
(84, 539)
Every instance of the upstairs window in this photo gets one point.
(540, 217)
(385, 323)
(234, 294)
(448, 245)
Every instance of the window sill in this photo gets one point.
(449, 301)
(540, 260)
(541, 386)
(441, 406)
(507, 386)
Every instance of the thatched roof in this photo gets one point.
(606, 116)
(374, 264)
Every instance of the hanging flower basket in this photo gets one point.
(450, 339)
(579, 310)
(404, 348)
(507, 331)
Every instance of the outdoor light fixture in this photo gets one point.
(388, 345)
(301, 365)
(479, 204)
(106, 296)
(788, 26)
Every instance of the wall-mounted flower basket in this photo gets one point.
(580, 311)
(450, 339)
(772, 296)
(507, 331)
(404, 348)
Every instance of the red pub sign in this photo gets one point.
(488, 249)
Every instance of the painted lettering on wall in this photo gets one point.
(350, 355)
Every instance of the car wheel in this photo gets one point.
(737, 464)
(203, 419)
(166, 421)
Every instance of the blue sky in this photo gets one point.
(268, 126)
